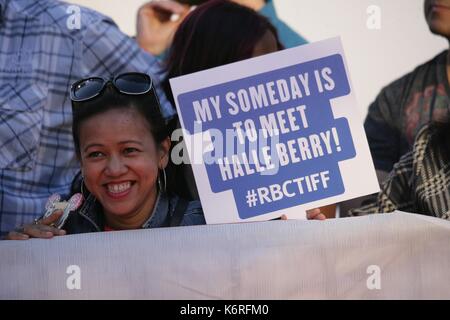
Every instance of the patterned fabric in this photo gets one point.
(403, 107)
(40, 56)
(419, 182)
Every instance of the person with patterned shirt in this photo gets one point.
(404, 106)
(420, 181)
(44, 47)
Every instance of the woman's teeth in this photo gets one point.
(118, 188)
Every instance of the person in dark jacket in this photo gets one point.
(122, 143)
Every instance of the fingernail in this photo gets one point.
(174, 17)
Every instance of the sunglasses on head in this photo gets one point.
(131, 83)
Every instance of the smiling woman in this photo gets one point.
(122, 143)
(120, 164)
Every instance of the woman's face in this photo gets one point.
(120, 161)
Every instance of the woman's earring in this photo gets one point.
(81, 188)
(165, 180)
(159, 182)
(160, 186)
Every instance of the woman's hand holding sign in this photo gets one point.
(39, 229)
(313, 214)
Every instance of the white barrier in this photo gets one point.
(395, 255)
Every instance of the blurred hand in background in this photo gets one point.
(157, 21)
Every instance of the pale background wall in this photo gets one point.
(375, 57)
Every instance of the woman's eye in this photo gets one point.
(130, 150)
(95, 154)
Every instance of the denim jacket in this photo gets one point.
(89, 217)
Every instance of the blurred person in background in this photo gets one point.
(403, 107)
(216, 33)
(419, 182)
(157, 22)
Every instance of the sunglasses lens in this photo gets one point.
(88, 89)
(133, 83)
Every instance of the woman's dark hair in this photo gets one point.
(146, 104)
(197, 2)
(217, 32)
(192, 2)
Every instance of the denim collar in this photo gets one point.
(93, 212)
(160, 212)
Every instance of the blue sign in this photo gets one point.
(287, 145)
